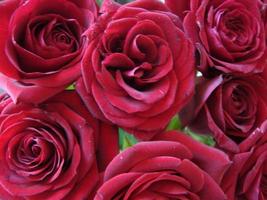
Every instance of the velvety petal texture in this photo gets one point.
(229, 34)
(51, 151)
(179, 8)
(165, 169)
(41, 46)
(247, 177)
(229, 108)
(138, 70)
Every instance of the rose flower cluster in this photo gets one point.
(133, 99)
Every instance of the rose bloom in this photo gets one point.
(228, 34)
(229, 108)
(175, 167)
(41, 45)
(138, 70)
(246, 179)
(49, 151)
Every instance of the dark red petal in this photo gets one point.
(180, 8)
(108, 146)
(111, 187)
(211, 190)
(27, 93)
(149, 5)
(6, 11)
(202, 154)
(128, 159)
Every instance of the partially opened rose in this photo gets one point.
(247, 177)
(138, 70)
(49, 151)
(229, 34)
(41, 45)
(175, 167)
(229, 108)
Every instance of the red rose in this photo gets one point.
(229, 108)
(247, 177)
(229, 34)
(165, 169)
(138, 70)
(49, 152)
(41, 45)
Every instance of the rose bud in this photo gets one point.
(41, 46)
(51, 151)
(138, 70)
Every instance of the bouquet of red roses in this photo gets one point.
(133, 100)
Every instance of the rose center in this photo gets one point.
(137, 56)
(116, 44)
(51, 36)
(62, 38)
(235, 24)
(240, 106)
(238, 100)
(32, 148)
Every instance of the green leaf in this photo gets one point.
(205, 139)
(99, 2)
(70, 87)
(175, 124)
(126, 140)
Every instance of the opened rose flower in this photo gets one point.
(41, 45)
(169, 168)
(138, 70)
(229, 108)
(51, 151)
(229, 34)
